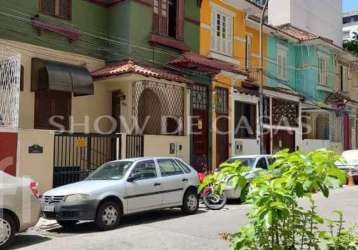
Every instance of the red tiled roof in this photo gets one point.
(204, 64)
(131, 67)
(300, 34)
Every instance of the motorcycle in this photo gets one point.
(210, 198)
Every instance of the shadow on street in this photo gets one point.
(127, 221)
(27, 240)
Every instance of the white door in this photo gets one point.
(143, 193)
(173, 182)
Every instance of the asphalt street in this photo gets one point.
(168, 229)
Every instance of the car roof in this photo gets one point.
(135, 159)
(250, 156)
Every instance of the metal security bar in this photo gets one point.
(76, 155)
(134, 146)
(158, 106)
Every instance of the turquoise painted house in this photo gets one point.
(300, 69)
(296, 62)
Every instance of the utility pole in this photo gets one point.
(261, 68)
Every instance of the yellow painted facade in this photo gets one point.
(241, 29)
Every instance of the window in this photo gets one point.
(146, 170)
(168, 18)
(221, 31)
(57, 8)
(344, 78)
(184, 166)
(357, 134)
(262, 163)
(282, 62)
(52, 110)
(336, 123)
(245, 120)
(322, 127)
(248, 51)
(169, 168)
(322, 70)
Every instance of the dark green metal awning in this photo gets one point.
(57, 76)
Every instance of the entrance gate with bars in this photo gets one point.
(76, 155)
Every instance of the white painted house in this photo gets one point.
(350, 25)
(323, 17)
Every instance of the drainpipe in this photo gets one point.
(262, 20)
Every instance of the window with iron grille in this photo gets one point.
(285, 112)
(221, 100)
(199, 97)
(158, 108)
(57, 8)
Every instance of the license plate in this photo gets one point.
(48, 208)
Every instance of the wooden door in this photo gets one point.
(116, 109)
(8, 149)
(222, 126)
(200, 128)
(283, 139)
(52, 110)
(200, 140)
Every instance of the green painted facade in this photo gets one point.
(302, 68)
(90, 19)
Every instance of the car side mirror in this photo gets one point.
(133, 177)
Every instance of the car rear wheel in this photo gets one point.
(190, 203)
(67, 223)
(108, 215)
(7, 230)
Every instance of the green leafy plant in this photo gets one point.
(277, 221)
(339, 237)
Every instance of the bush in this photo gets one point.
(276, 219)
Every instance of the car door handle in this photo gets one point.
(185, 180)
(157, 184)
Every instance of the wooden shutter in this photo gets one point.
(48, 7)
(213, 31)
(65, 9)
(156, 4)
(180, 19)
(163, 17)
(229, 35)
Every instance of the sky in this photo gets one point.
(349, 5)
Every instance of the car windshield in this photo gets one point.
(248, 162)
(111, 171)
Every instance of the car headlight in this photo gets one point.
(76, 198)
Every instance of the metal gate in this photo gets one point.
(134, 146)
(76, 155)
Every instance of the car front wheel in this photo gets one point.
(190, 203)
(108, 215)
(7, 230)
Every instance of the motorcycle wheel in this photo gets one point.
(214, 201)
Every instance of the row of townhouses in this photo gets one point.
(78, 80)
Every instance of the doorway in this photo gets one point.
(283, 139)
(117, 97)
(200, 128)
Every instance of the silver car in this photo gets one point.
(19, 206)
(124, 187)
(257, 162)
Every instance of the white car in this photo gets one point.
(351, 162)
(124, 187)
(19, 206)
(257, 162)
